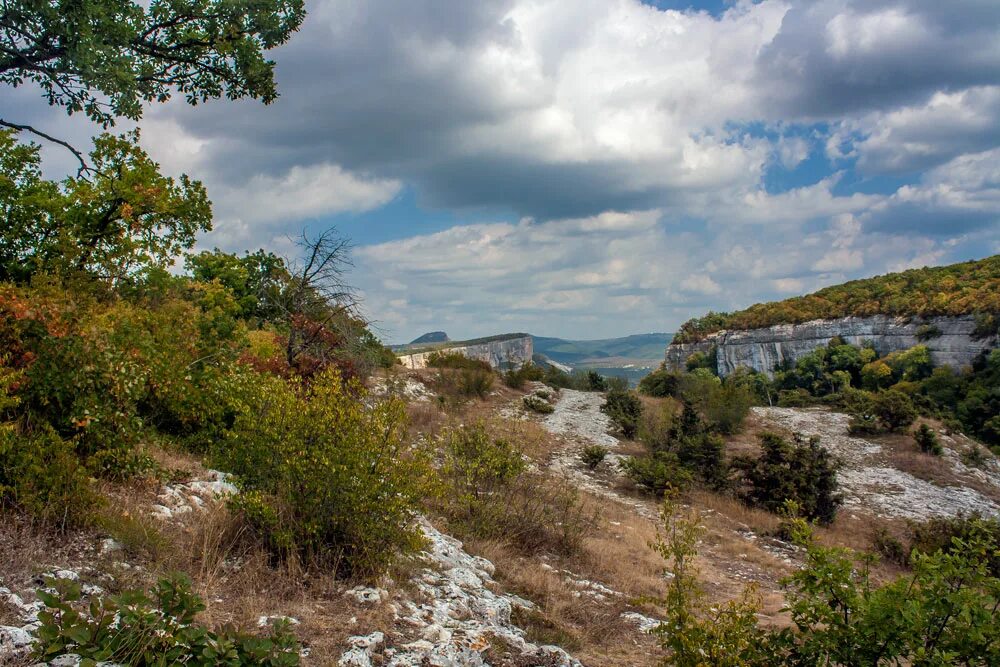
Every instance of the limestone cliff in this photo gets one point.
(500, 352)
(763, 349)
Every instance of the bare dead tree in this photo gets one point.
(318, 300)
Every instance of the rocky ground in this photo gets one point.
(453, 608)
(870, 483)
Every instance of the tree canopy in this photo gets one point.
(957, 289)
(105, 58)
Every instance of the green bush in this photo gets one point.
(325, 477)
(457, 360)
(537, 404)
(474, 382)
(927, 440)
(660, 383)
(894, 409)
(625, 409)
(516, 378)
(800, 471)
(657, 473)
(150, 630)
(41, 474)
(946, 533)
(490, 493)
(593, 455)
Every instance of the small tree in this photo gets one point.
(894, 409)
(624, 408)
(593, 455)
(801, 471)
(927, 440)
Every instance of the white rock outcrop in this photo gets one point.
(456, 617)
(763, 349)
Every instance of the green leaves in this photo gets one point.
(136, 629)
(126, 219)
(105, 58)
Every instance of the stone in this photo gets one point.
(763, 349)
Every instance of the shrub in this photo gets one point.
(660, 383)
(926, 332)
(944, 613)
(975, 456)
(894, 409)
(516, 378)
(594, 381)
(657, 473)
(474, 382)
(945, 533)
(593, 455)
(800, 471)
(325, 477)
(617, 383)
(927, 440)
(157, 629)
(724, 406)
(537, 404)
(491, 494)
(625, 409)
(41, 475)
(457, 360)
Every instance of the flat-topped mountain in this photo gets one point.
(431, 337)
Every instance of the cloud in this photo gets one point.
(835, 57)
(960, 196)
(923, 136)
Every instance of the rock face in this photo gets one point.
(501, 353)
(763, 349)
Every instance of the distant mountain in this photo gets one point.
(638, 349)
(431, 337)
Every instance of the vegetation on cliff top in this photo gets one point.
(958, 289)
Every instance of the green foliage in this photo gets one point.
(490, 493)
(593, 455)
(927, 332)
(927, 440)
(708, 362)
(148, 630)
(660, 383)
(537, 404)
(594, 381)
(106, 58)
(894, 409)
(254, 280)
(471, 382)
(456, 360)
(41, 474)
(625, 409)
(126, 218)
(944, 613)
(657, 473)
(958, 289)
(695, 633)
(516, 378)
(325, 478)
(798, 471)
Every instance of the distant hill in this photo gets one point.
(638, 349)
(431, 337)
(957, 289)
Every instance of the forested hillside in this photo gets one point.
(959, 289)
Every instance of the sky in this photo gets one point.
(596, 168)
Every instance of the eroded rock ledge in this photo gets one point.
(952, 343)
